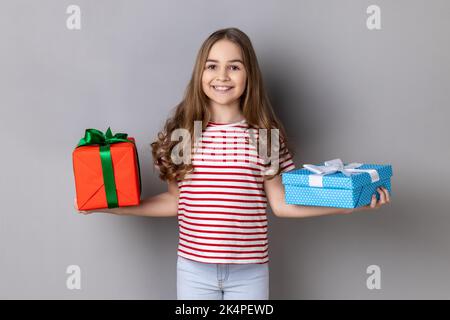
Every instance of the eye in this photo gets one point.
(211, 66)
(234, 68)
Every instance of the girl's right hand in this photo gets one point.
(81, 211)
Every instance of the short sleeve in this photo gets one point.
(286, 161)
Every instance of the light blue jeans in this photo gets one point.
(219, 281)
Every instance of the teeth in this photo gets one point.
(221, 88)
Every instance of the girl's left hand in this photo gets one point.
(384, 199)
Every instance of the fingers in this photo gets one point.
(373, 202)
(384, 195)
(384, 198)
(388, 198)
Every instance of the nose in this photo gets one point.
(223, 74)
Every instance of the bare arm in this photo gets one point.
(275, 195)
(162, 205)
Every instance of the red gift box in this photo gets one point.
(90, 166)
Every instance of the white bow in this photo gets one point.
(336, 165)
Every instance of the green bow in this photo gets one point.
(104, 140)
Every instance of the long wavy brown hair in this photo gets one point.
(254, 104)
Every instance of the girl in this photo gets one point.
(221, 189)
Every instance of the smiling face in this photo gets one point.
(224, 76)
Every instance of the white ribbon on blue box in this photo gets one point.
(335, 184)
(336, 165)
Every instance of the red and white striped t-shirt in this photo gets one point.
(222, 202)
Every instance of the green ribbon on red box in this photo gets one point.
(104, 141)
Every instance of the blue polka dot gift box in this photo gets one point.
(335, 184)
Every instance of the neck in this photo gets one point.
(226, 113)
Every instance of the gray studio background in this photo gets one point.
(340, 89)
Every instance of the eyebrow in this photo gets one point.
(234, 60)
